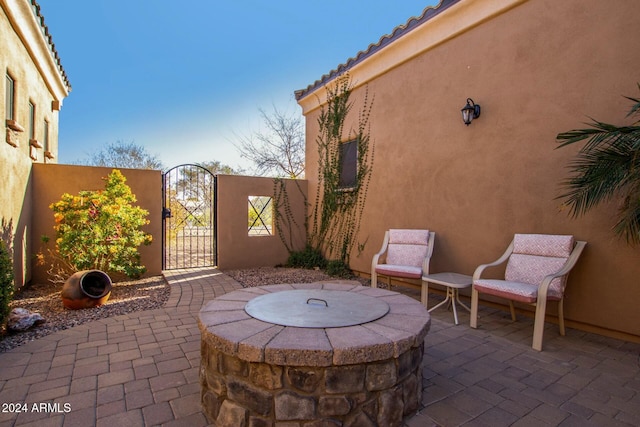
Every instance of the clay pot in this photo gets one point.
(86, 289)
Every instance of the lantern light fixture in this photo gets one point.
(470, 111)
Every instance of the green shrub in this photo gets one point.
(338, 268)
(6, 282)
(101, 230)
(308, 258)
(311, 258)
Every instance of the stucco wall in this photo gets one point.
(15, 211)
(541, 68)
(51, 181)
(236, 248)
(16, 163)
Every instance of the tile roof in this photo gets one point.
(49, 40)
(384, 41)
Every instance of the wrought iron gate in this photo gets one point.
(189, 216)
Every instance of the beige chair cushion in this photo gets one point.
(517, 291)
(536, 256)
(543, 245)
(407, 248)
(406, 271)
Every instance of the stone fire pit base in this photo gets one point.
(255, 373)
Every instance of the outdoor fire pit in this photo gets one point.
(331, 353)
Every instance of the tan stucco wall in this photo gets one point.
(25, 58)
(15, 212)
(539, 69)
(51, 181)
(236, 249)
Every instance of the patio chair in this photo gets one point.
(404, 253)
(537, 269)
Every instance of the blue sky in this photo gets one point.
(184, 79)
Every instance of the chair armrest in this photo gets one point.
(566, 268)
(427, 259)
(376, 257)
(503, 258)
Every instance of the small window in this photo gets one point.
(32, 121)
(10, 99)
(34, 144)
(260, 216)
(45, 135)
(348, 164)
(45, 141)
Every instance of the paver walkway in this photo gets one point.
(142, 369)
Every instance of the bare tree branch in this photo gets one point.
(280, 150)
(216, 167)
(123, 155)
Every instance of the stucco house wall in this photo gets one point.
(29, 58)
(537, 68)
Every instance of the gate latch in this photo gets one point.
(166, 213)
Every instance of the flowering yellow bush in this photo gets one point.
(102, 229)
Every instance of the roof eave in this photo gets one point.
(401, 30)
(417, 36)
(28, 23)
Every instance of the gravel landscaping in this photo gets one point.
(251, 277)
(127, 297)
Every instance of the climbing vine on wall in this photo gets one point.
(334, 221)
(289, 229)
(338, 210)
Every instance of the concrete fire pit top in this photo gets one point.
(225, 325)
(316, 308)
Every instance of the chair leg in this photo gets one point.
(374, 279)
(512, 309)
(561, 316)
(473, 318)
(424, 294)
(453, 303)
(538, 326)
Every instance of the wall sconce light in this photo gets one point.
(470, 111)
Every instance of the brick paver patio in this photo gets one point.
(142, 369)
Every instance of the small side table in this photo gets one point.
(453, 282)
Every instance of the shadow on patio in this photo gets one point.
(491, 376)
(142, 369)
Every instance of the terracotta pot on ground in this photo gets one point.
(86, 289)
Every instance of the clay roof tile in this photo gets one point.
(384, 41)
(52, 47)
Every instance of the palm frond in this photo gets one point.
(600, 133)
(596, 176)
(607, 167)
(636, 106)
(628, 226)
